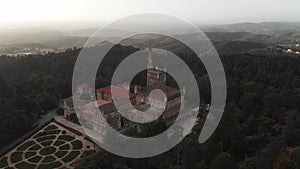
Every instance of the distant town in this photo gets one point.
(290, 47)
(27, 51)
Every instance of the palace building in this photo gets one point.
(140, 99)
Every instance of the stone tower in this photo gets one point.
(154, 75)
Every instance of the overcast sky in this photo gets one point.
(196, 11)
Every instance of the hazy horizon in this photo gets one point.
(77, 26)
(92, 13)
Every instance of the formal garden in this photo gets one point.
(52, 147)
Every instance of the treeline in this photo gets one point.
(259, 129)
(28, 87)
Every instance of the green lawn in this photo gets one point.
(45, 138)
(46, 143)
(77, 144)
(71, 156)
(46, 133)
(58, 143)
(35, 147)
(24, 165)
(66, 138)
(26, 145)
(3, 162)
(60, 154)
(16, 157)
(50, 165)
(49, 159)
(50, 127)
(30, 154)
(47, 151)
(64, 147)
(35, 159)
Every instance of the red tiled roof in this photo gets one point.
(94, 104)
(121, 92)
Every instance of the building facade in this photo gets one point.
(140, 99)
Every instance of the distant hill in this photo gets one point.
(28, 35)
(65, 42)
(277, 29)
(237, 36)
(234, 42)
(238, 47)
(232, 36)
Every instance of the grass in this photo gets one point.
(66, 138)
(64, 147)
(46, 143)
(3, 162)
(30, 154)
(76, 144)
(49, 159)
(50, 165)
(35, 159)
(35, 147)
(71, 156)
(60, 154)
(50, 127)
(47, 150)
(16, 157)
(46, 133)
(26, 145)
(45, 138)
(58, 143)
(87, 153)
(24, 165)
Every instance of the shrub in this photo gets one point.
(87, 153)
(295, 155)
(223, 160)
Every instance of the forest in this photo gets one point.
(260, 128)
